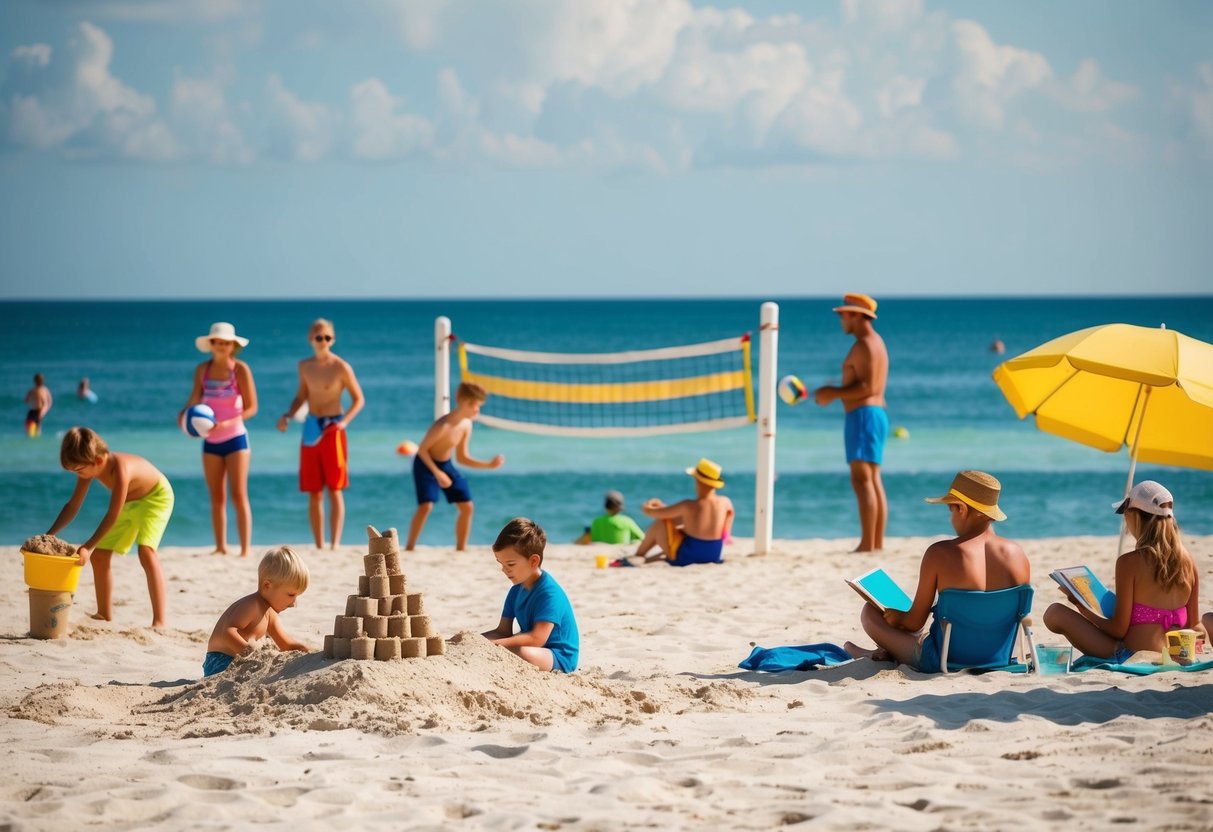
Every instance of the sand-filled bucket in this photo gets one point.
(53, 573)
(49, 613)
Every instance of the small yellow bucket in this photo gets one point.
(52, 573)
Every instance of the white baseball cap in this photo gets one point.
(1148, 496)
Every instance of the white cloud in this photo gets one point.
(658, 84)
(381, 129)
(882, 14)
(1192, 105)
(616, 45)
(76, 103)
(199, 111)
(34, 55)
(300, 129)
(1088, 91)
(990, 76)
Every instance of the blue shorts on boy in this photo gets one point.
(864, 434)
(427, 484)
(546, 601)
(216, 662)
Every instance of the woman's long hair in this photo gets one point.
(1159, 537)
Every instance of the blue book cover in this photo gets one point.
(879, 589)
(1087, 589)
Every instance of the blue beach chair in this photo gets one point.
(981, 630)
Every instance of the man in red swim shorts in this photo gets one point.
(323, 452)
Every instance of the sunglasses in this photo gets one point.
(322, 338)
(217, 341)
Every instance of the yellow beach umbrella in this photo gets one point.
(1119, 385)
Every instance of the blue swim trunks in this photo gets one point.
(865, 433)
(216, 662)
(428, 488)
(693, 550)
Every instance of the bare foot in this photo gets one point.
(244, 553)
(158, 625)
(877, 654)
(99, 617)
(219, 552)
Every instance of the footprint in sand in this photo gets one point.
(283, 798)
(207, 782)
(501, 752)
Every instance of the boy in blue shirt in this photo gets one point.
(547, 631)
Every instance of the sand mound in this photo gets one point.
(474, 686)
(48, 544)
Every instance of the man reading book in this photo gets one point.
(976, 559)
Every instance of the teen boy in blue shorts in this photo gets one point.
(547, 631)
(433, 470)
(865, 372)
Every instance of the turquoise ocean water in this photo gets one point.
(140, 356)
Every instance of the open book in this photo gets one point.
(880, 590)
(1087, 589)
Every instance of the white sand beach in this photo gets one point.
(110, 727)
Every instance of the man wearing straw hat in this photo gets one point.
(690, 531)
(865, 371)
(976, 559)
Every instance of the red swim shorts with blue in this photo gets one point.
(323, 455)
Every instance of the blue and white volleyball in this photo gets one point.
(198, 420)
(792, 390)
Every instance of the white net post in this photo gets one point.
(764, 489)
(442, 367)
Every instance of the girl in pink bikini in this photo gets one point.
(226, 384)
(1156, 585)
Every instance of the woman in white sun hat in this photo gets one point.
(1156, 585)
(225, 383)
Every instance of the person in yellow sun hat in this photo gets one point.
(865, 371)
(690, 531)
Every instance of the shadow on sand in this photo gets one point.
(955, 710)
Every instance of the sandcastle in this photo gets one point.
(384, 621)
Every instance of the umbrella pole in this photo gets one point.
(1120, 544)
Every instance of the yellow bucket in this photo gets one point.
(52, 573)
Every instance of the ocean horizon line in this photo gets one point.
(672, 298)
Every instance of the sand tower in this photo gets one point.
(384, 620)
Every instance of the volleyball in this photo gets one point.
(792, 390)
(198, 420)
(407, 448)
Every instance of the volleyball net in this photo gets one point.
(696, 387)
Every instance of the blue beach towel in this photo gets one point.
(804, 657)
(1095, 663)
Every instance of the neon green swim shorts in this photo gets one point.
(141, 521)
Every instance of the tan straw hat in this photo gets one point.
(222, 331)
(975, 489)
(863, 304)
(708, 473)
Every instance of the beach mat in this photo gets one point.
(803, 657)
(1096, 663)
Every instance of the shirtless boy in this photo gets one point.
(865, 371)
(39, 402)
(141, 503)
(281, 578)
(975, 559)
(324, 452)
(433, 470)
(690, 531)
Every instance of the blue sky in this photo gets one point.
(445, 148)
